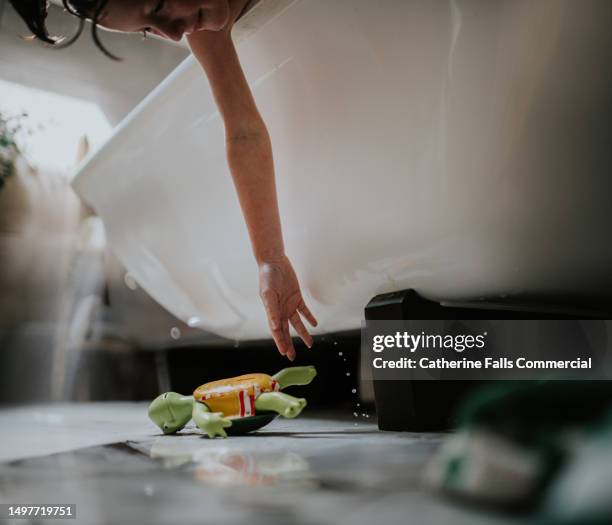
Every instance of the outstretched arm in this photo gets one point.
(249, 154)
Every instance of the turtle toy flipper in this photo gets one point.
(233, 406)
(212, 423)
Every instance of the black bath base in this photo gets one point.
(415, 406)
(431, 405)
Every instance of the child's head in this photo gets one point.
(167, 18)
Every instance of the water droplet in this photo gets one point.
(354, 391)
(344, 359)
(367, 416)
(175, 333)
(348, 373)
(355, 414)
(358, 404)
(193, 321)
(236, 343)
(340, 354)
(363, 414)
(335, 343)
(355, 424)
(149, 490)
(130, 282)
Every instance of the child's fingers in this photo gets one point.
(271, 304)
(299, 327)
(304, 310)
(279, 340)
(290, 350)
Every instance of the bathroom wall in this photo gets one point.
(43, 281)
(56, 275)
(81, 70)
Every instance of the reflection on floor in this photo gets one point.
(111, 462)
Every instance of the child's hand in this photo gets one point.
(280, 292)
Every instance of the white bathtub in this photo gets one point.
(458, 147)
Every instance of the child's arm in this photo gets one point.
(249, 153)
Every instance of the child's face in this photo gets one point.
(167, 18)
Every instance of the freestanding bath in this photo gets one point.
(458, 147)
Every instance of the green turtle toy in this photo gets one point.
(233, 406)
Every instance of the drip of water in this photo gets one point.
(348, 373)
(354, 391)
(236, 343)
(175, 333)
(129, 281)
(193, 321)
(340, 354)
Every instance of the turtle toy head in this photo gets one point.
(171, 411)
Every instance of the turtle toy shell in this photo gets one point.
(235, 398)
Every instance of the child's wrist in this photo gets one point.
(271, 257)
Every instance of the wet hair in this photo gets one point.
(34, 14)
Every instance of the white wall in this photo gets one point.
(30, 293)
(81, 70)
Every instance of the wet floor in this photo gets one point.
(111, 462)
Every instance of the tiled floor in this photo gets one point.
(111, 462)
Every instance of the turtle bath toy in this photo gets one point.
(239, 404)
